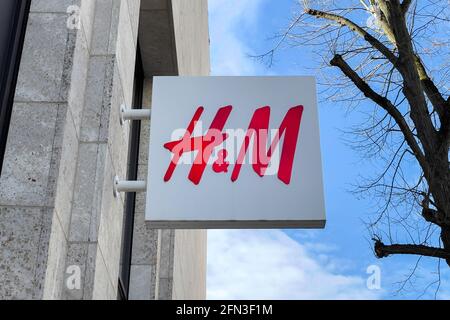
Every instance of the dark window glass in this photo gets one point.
(130, 198)
(13, 21)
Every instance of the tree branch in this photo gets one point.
(433, 216)
(387, 105)
(411, 90)
(412, 86)
(438, 102)
(405, 6)
(382, 250)
(360, 31)
(384, 23)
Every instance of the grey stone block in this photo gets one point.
(116, 134)
(76, 258)
(87, 192)
(141, 196)
(20, 231)
(147, 94)
(98, 98)
(101, 27)
(102, 158)
(89, 275)
(79, 73)
(68, 65)
(56, 260)
(87, 13)
(191, 18)
(189, 266)
(166, 254)
(81, 256)
(110, 224)
(113, 33)
(42, 64)
(144, 136)
(110, 238)
(142, 283)
(49, 216)
(145, 242)
(165, 289)
(103, 287)
(134, 9)
(28, 155)
(63, 167)
(126, 52)
(144, 142)
(84, 192)
(52, 6)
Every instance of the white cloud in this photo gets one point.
(228, 20)
(268, 264)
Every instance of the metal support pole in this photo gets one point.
(127, 114)
(128, 186)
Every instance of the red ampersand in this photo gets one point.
(221, 165)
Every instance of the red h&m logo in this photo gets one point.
(257, 130)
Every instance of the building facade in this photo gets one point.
(63, 233)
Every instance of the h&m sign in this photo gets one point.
(234, 152)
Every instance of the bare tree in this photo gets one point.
(394, 54)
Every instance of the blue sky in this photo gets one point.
(300, 264)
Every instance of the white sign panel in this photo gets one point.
(234, 152)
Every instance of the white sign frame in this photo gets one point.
(251, 201)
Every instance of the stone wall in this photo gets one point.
(58, 216)
(65, 144)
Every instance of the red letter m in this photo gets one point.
(258, 126)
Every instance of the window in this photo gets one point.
(130, 200)
(13, 21)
